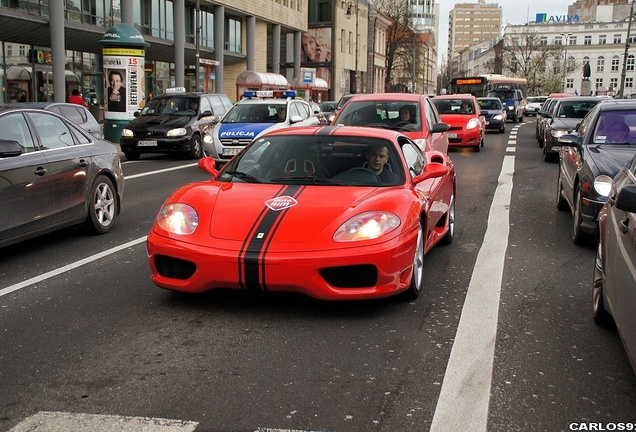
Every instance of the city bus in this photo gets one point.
(479, 86)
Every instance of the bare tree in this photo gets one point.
(528, 56)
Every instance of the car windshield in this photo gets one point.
(397, 115)
(453, 106)
(502, 94)
(616, 127)
(534, 99)
(254, 113)
(490, 104)
(314, 159)
(575, 109)
(172, 105)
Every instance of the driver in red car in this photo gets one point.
(377, 158)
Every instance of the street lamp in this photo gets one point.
(565, 63)
(348, 15)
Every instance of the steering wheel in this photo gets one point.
(359, 175)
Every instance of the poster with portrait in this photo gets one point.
(316, 52)
(123, 85)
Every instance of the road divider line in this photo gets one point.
(133, 176)
(465, 395)
(69, 267)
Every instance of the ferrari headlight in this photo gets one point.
(177, 132)
(603, 185)
(472, 123)
(367, 226)
(178, 219)
(127, 133)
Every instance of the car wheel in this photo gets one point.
(196, 149)
(578, 236)
(503, 127)
(450, 234)
(477, 148)
(599, 313)
(132, 156)
(561, 203)
(102, 206)
(418, 267)
(483, 139)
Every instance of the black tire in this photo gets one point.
(579, 237)
(503, 128)
(477, 148)
(561, 203)
(417, 278)
(450, 234)
(102, 206)
(196, 147)
(132, 156)
(599, 313)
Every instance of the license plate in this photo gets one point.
(452, 135)
(146, 143)
(231, 151)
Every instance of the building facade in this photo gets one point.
(472, 23)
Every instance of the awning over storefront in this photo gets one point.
(23, 73)
(252, 78)
(318, 84)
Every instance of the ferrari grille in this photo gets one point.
(355, 276)
(174, 268)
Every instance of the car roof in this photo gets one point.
(388, 97)
(40, 105)
(337, 130)
(456, 96)
(617, 104)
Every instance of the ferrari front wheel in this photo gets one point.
(418, 266)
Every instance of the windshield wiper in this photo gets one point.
(318, 180)
(243, 176)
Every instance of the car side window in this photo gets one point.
(414, 159)
(431, 115)
(216, 104)
(204, 105)
(75, 115)
(52, 131)
(295, 111)
(14, 127)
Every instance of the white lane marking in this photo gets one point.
(465, 393)
(68, 267)
(511, 149)
(46, 421)
(130, 177)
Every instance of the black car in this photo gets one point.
(176, 122)
(614, 282)
(54, 175)
(567, 113)
(590, 158)
(493, 111)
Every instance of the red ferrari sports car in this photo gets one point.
(467, 124)
(335, 213)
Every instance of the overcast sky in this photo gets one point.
(514, 12)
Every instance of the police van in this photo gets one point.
(258, 112)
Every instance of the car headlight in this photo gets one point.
(178, 219)
(556, 133)
(127, 133)
(472, 123)
(177, 132)
(511, 107)
(498, 117)
(603, 185)
(367, 226)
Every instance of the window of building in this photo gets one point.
(630, 63)
(613, 83)
(572, 40)
(22, 50)
(161, 23)
(602, 39)
(587, 40)
(543, 41)
(600, 64)
(599, 82)
(233, 28)
(617, 39)
(319, 11)
(558, 40)
(569, 83)
(615, 63)
(629, 82)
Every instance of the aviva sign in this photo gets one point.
(542, 17)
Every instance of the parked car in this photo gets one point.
(590, 158)
(175, 122)
(512, 99)
(55, 175)
(257, 113)
(467, 124)
(494, 113)
(78, 114)
(320, 115)
(329, 109)
(389, 111)
(614, 283)
(299, 211)
(567, 113)
(533, 105)
(544, 115)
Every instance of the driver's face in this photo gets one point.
(377, 158)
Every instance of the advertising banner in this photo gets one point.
(123, 83)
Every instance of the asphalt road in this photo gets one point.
(98, 340)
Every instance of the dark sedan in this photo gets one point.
(590, 158)
(53, 174)
(568, 112)
(493, 111)
(614, 283)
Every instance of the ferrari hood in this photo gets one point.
(284, 213)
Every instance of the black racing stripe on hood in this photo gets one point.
(252, 272)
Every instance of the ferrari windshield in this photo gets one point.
(318, 160)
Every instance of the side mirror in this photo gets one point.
(440, 127)
(626, 199)
(569, 140)
(432, 170)
(10, 148)
(208, 165)
(295, 119)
